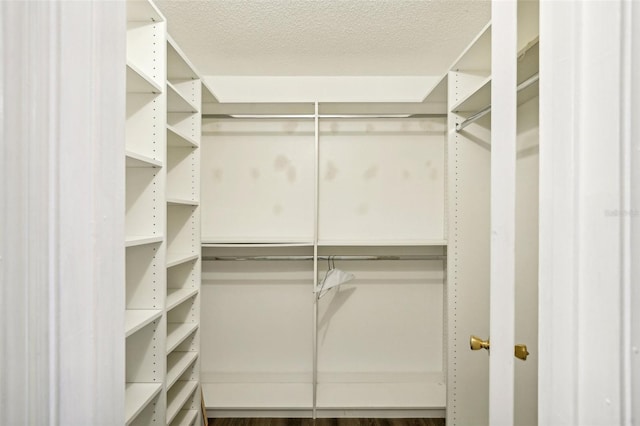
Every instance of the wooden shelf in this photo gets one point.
(182, 202)
(141, 240)
(178, 396)
(177, 333)
(251, 396)
(137, 319)
(137, 396)
(175, 138)
(185, 418)
(177, 103)
(138, 160)
(139, 82)
(177, 364)
(176, 296)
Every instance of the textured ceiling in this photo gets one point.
(324, 37)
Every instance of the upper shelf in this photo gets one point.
(477, 99)
(178, 65)
(480, 97)
(208, 97)
(438, 95)
(477, 57)
(143, 10)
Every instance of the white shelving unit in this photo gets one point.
(469, 162)
(472, 69)
(183, 130)
(390, 343)
(145, 219)
(162, 225)
(378, 185)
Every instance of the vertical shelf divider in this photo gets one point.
(315, 261)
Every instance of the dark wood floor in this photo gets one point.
(325, 422)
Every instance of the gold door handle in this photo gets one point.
(521, 352)
(476, 343)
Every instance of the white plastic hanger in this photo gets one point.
(333, 278)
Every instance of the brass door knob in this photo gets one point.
(521, 352)
(477, 343)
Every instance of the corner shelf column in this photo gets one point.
(183, 264)
(145, 323)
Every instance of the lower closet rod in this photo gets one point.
(339, 257)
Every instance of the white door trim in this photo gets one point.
(631, 179)
(584, 321)
(504, 48)
(62, 212)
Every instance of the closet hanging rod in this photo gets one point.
(528, 82)
(338, 257)
(311, 116)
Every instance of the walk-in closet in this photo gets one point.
(335, 212)
(317, 259)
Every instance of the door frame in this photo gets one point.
(589, 91)
(62, 212)
(504, 39)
